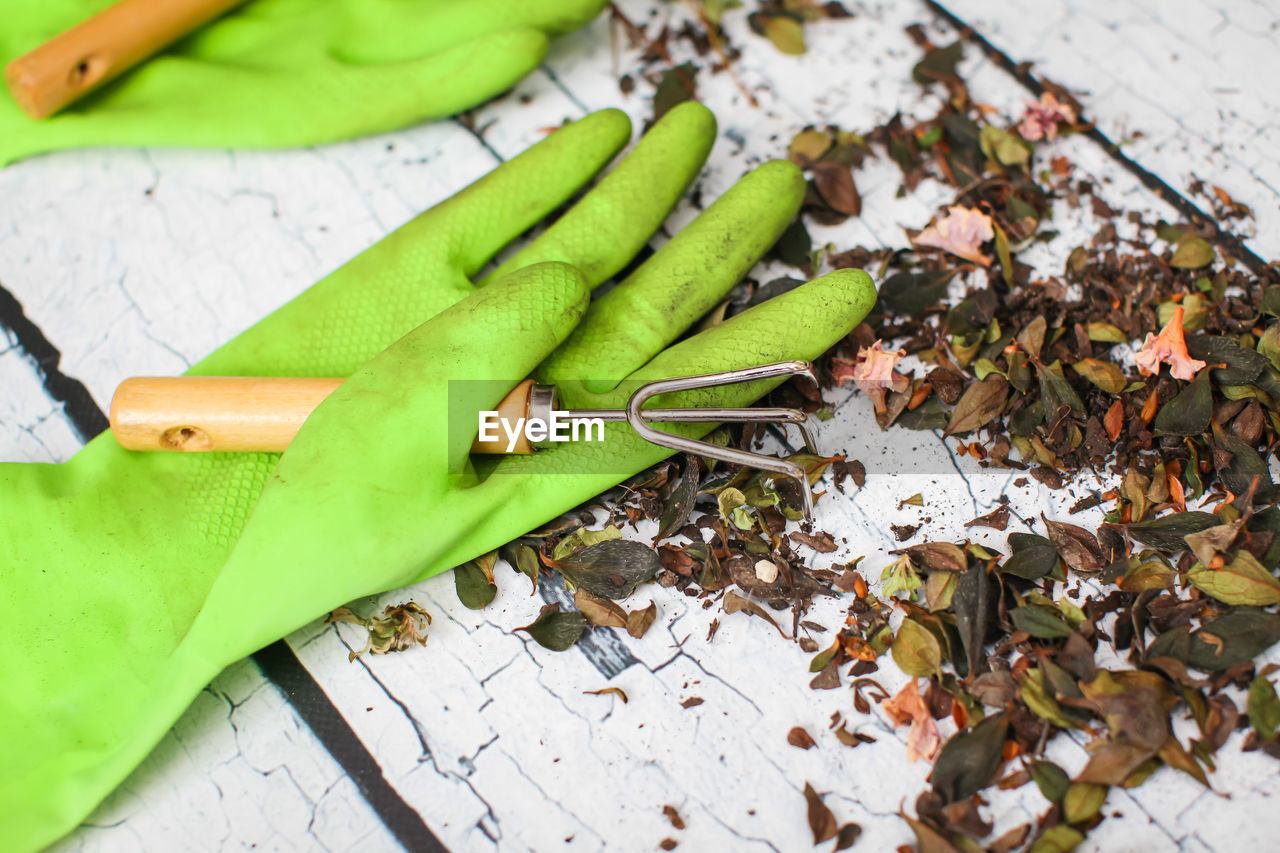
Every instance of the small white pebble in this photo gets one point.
(767, 571)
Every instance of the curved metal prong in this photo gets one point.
(636, 418)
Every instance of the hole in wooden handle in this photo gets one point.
(186, 438)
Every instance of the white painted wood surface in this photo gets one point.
(140, 262)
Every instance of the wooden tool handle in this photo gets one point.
(111, 42)
(233, 413)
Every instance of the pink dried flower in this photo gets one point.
(1041, 118)
(923, 739)
(1169, 347)
(873, 372)
(960, 232)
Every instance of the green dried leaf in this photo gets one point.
(582, 538)
(1242, 365)
(1169, 532)
(474, 581)
(970, 759)
(938, 63)
(1057, 839)
(808, 146)
(1083, 801)
(1188, 413)
(909, 294)
(1051, 779)
(555, 630)
(972, 603)
(1040, 621)
(1002, 244)
(915, 650)
(785, 32)
(1239, 635)
(1106, 333)
(1264, 708)
(612, 569)
(1192, 254)
(1107, 376)
(680, 503)
(676, 86)
(1056, 392)
(1242, 581)
(524, 560)
(1007, 149)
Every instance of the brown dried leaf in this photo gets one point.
(821, 821)
(1078, 547)
(980, 404)
(638, 621)
(608, 691)
(800, 738)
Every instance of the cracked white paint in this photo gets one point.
(488, 736)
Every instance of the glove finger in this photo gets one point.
(798, 325)
(393, 30)
(683, 280)
(347, 510)
(476, 223)
(604, 231)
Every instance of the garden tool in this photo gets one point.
(266, 74)
(131, 579)
(198, 414)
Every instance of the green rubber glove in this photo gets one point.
(287, 73)
(131, 579)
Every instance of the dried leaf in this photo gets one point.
(1235, 637)
(1078, 547)
(1051, 779)
(909, 294)
(821, 821)
(1189, 412)
(1168, 532)
(800, 738)
(1057, 839)
(598, 611)
(1264, 708)
(555, 630)
(1082, 801)
(1040, 621)
(608, 691)
(972, 603)
(1107, 376)
(834, 182)
(1192, 254)
(734, 602)
(915, 650)
(980, 403)
(676, 511)
(969, 760)
(638, 621)
(611, 569)
(785, 32)
(474, 581)
(1242, 581)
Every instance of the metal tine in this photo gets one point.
(636, 418)
(764, 415)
